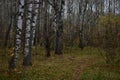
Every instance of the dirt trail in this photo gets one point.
(83, 64)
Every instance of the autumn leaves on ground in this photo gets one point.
(74, 64)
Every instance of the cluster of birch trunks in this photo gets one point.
(31, 10)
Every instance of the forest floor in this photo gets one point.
(74, 64)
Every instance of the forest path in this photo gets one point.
(83, 64)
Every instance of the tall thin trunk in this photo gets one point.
(70, 9)
(34, 24)
(27, 55)
(13, 61)
(30, 31)
(81, 31)
(7, 35)
(46, 30)
(59, 26)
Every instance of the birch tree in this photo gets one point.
(32, 16)
(18, 34)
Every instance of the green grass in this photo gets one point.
(61, 67)
(101, 72)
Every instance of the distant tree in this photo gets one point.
(58, 6)
(82, 12)
(47, 28)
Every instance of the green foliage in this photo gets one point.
(2, 77)
(109, 20)
(109, 37)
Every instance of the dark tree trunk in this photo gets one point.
(46, 30)
(59, 10)
(81, 30)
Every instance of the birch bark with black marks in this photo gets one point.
(13, 61)
(33, 25)
(27, 55)
(30, 31)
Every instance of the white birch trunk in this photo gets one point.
(35, 17)
(18, 34)
(30, 31)
(33, 27)
(27, 34)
